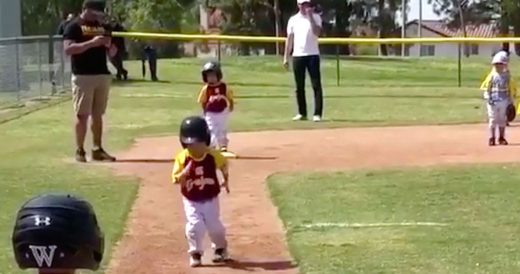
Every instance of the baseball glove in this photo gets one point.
(511, 112)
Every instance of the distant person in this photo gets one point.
(88, 45)
(57, 234)
(63, 24)
(150, 55)
(498, 92)
(118, 59)
(303, 30)
(216, 100)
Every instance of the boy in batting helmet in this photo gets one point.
(216, 100)
(57, 234)
(195, 170)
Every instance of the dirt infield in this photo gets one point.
(154, 240)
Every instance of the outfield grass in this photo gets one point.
(37, 147)
(479, 204)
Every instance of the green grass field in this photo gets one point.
(36, 149)
(478, 204)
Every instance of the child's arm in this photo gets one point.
(231, 100)
(180, 172)
(222, 164)
(225, 173)
(203, 98)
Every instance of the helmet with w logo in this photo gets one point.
(54, 231)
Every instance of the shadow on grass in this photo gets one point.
(367, 96)
(160, 161)
(239, 84)
(146, 161)
(135, 80)
(252, 266)
(368, 59)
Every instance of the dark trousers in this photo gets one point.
(312, 65)
(151, 57)
(117, 61)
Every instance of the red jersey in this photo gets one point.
(202, 182)
(216, 98)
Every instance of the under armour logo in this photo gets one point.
(43, 254)
(39, 220)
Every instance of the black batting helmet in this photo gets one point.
(54, 231)
(211, 67)
(194, 129)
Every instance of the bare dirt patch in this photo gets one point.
(154, 240)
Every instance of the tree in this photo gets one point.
(42, 17)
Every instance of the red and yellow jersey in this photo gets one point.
(216, 98)
(202, 182)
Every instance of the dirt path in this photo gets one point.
(154, 240)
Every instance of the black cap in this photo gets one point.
(97, 5)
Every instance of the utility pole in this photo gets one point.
(419, 31)
(277, 24)
(403, 23)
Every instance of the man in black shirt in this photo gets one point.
(87, 42)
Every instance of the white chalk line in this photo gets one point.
(363, 225)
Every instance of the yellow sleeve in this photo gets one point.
(178, 166)
(220, 160)
(230, 94)
(485, 84)
(513, 88)
(202, 95)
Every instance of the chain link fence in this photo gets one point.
(32, 68)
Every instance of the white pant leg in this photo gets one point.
(219, 124)
(491, 115)
(195, 227)
(212, 124)
(222, 128)
(501, 113)
(216, 230)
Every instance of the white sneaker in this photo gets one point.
(299, 117)
(316, 118)
(195, 260)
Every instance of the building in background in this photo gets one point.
(437, 28)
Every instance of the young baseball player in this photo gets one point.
(512, 108)
(216, 99)
(498, 93)
(56, 233)
(195, 169)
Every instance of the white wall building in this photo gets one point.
(433, 28)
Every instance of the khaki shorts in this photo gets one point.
(90, 93)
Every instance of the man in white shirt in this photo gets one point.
(303, 30)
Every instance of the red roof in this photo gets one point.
(441, 28)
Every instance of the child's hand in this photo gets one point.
(225, 185)
(185, 172)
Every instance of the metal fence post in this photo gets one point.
(40, 74)
(218, 51)
(63, 63)
(459, 66)
(18, 82)
(338, 75)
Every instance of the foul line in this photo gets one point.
(362, 225)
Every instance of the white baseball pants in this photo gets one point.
(202, 216)
(218, 125)
(497, 116)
